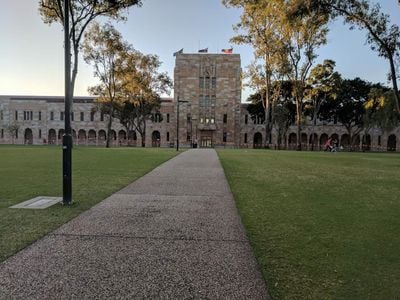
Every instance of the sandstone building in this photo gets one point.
(207, 93)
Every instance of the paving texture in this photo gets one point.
(172, 234)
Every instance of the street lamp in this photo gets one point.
(177, 122)
(67, 138)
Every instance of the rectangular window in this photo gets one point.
(61, 115)
(188, 137)
(213, 82)
(82, 116)
(167, 136)
(245, 138)
(51, 115)
(92, 116)
(40, 133)
(225, 118)
(31, 115)
(2, 133)
(379, 140)
(246, 119)
(102, 117)
(16, 115)
(224, 137)
(1, 115)
(188, 118)
(40, 116)
(16, 133)
(72, 116)
(24, 115)
(201, 82)
(168, 119)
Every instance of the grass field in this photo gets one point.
(322, 225)
(27, 172)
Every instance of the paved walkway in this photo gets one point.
(174, 233)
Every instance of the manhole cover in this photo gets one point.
(40, 202)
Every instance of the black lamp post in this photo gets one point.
(67, 138)
(177, 122)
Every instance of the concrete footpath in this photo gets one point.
(173, 234)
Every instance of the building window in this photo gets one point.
(188, 118)
(28, 115)
(2, 133)
(225, 118)
(61, 115)
(16, 115)
(1, 115)
(167, 136)
(40, 133)
(212, 120)
(245, 138)
(224, 137)
(167, 118)
(102, 117)
(82, 116)
(379, 140)
(246, 119)
(40, 116)
(16, 133)
(92, 116)
(51, 115)
(188, 138)
(31, 115)
(72, 116)
(213, 82)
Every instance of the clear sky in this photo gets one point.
(31, 52)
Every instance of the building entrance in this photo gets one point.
(206, 139)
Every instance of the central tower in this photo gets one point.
(211, 85)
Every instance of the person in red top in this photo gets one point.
(328, 145)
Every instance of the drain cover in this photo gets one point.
(40, 202)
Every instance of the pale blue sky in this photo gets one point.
(31, 52)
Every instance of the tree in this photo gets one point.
(105, 50)
(380, 110)
(382, 36)
(142, 85)
(349, 106)
(82, 13)
(260, 27)
(321, 87)
(303, 34)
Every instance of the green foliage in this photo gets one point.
(82, 13)
(28, 172)
(322, 225)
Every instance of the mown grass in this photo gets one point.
(322, 225)
(27, 172)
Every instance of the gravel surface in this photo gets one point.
(173, 234)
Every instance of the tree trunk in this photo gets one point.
(394, 81)
(109, 124)
(298, 121)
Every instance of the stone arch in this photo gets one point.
(102, 135)
(122, 135)
(28, 136)
(257, 140)
(345, 140)
(356, 142)
(391, 143)
(292, 140)
(313, 141)
(61, 134)
(81, 136)
(92, 135)
(304, 138)
(52, 136)
(366, 142)
(132, 137)
(323, 139)
(113, 135)
(155, 139)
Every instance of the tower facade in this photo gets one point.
(207, 88)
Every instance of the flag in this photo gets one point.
(227, 51)
(205, 50)
(178, 52)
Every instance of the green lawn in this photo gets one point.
(322, 225)
(27, 172)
